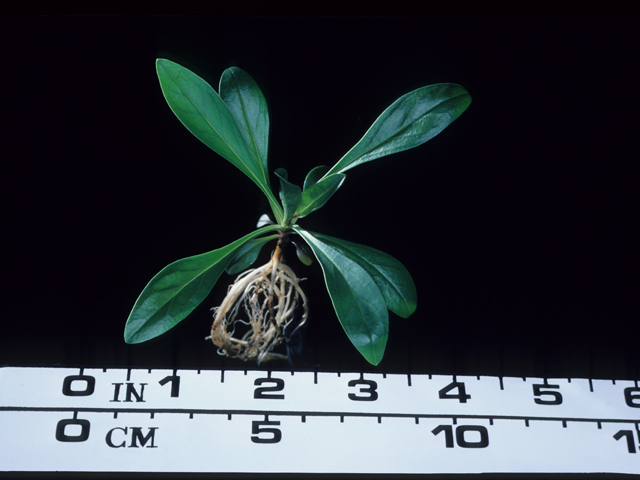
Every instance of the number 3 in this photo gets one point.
(369, 389)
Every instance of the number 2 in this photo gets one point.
(261, 392)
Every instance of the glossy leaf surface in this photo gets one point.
(249, 109)
(290, 194)
(314, 175)
(203, 113)
(410, 121)
(247, 254)
(357, 300)
(179, 288)
(391, 277)
(317, 194)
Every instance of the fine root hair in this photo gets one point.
(261, 307)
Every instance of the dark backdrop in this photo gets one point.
(518, 222)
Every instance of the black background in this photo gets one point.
(519, 222)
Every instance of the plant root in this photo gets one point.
(261, 307)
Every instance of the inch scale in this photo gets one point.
(184, 420)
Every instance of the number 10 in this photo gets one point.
(460, 431)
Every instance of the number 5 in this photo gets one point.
(257, 429)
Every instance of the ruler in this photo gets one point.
(187, 420)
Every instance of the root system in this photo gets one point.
(262, 306)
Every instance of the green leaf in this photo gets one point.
(356, 298)
(247, 254)
(249, 109)
(290, 194)
(391, 277)
(317, 194)
(179, 288)
(410, 121)
(314, 175)
(203, 112)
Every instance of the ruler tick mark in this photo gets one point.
(518, 402)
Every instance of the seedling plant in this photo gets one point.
(266, 305)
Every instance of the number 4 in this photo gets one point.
(461, 395)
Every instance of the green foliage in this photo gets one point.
(179, 288)
(226, 128)
(410, 121)
(363, 283)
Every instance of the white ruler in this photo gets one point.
(162, 420)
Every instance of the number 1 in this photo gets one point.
(629, 434)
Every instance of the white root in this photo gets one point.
(260, 304)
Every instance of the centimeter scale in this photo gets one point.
(162, 420)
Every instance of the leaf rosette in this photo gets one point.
(364, 284)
